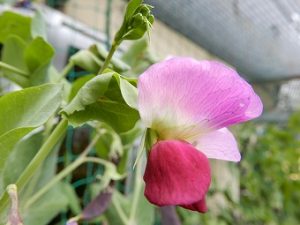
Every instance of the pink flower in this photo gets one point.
(189, 104)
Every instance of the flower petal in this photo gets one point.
(181, 98)
(199, 206)
(219, 144)
(176, 173)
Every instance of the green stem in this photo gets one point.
(136, 194)
(39, 158)
(109, 56)
(80, 160)
(13, 69)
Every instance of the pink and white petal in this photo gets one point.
(182, 97)
(219, 144)
(176, 174)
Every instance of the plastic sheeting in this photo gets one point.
(261, 38)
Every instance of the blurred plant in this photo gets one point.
(269, 181)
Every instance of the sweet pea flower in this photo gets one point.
(189, 104)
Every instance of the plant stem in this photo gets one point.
(13, 69)
(38, 159)
(136, 194)
(109, 56)
(80, 160)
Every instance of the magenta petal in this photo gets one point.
(199, 206)
(182, 97)
(219, 144)
(176, 173)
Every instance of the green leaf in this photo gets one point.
(14, 23)
(20, 157)
(38, 56)
(38, 25)
(38, 53)
(118, 115)
(22, 111)
(145, 211)
(101, 99)
(46, 208)
(13, 54)
(129, 92)
(33, 58)
(77, 84)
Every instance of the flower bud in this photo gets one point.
(137, 21)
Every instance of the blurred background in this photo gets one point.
(260, 39)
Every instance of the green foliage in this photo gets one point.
(270, 174)
(27, 57)
(14, 24)
(19, 158)
(28, 119)
(104, 99)
(24, 110)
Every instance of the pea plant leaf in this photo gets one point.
(104, 99)
(13, 54)
(14, 23)
(33, 58)
(24, 110)
(38, 25)
(38, 56)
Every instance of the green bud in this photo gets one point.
(137, 21)
(151, 19)
(144, 10)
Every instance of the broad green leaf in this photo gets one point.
(14, 23)
(20, 157)
(37, 65)
(24, 110)
(77, 84)
(38, 25)
(46, 208)
(38, 53)
(101, 99)
(33, 58)
(145, 211)
(118, 115)
(13, 52)
(89, 93)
